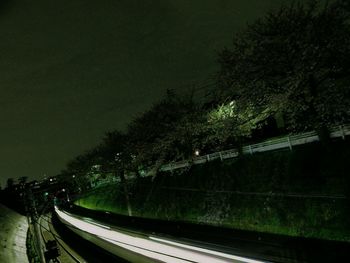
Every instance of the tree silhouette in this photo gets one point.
(294, 61)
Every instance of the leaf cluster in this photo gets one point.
(294, 60)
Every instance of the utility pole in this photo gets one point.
(33, 214)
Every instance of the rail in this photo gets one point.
(288, 141)
(56, 238)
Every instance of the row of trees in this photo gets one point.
(295, 62)
(291, 66)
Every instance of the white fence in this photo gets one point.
(269, 145)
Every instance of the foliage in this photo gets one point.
(230, 122)
(113, 152)
(163, 133)
(294, 60)
(22, 180)
(152, 136)
(10, 183)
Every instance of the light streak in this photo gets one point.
(151, 247)
(147, 253)
(207, 251)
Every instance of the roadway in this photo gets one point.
(141, 247)
(48, 232)
(73, 249)
(149, 240)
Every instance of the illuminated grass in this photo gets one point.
(214, 193)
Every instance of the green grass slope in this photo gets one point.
(303, 192)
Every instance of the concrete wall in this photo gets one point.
(13, 232)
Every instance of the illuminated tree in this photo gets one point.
(228, 125)
(151, 134)
(294, 61)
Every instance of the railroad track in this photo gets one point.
(46, 229)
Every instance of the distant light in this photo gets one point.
(63, 190)
(73, 176)
(50, 179)
(196, 152)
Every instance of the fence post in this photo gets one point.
(220, 156)
(208, 158)
(250, 149)
(289, 143)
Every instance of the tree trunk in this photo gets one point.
(126, 192)
(319, 126)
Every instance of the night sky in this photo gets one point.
(70, 70)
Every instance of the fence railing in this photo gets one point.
(269, 145)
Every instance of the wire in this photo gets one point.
(56, 237)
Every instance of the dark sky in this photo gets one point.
(72, 69)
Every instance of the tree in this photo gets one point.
(113, 151)
(183, 139)
(10, 183)
(149, 133)
(228, 125)
(81, 166)
(22, 180)
(294, 61)
(115, 158)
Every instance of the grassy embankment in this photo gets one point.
(249, 193)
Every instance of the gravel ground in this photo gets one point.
(13, 231)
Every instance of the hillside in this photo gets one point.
(303, 192)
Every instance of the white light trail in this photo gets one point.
(207, 251)
(151, 247)
(147, 253)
